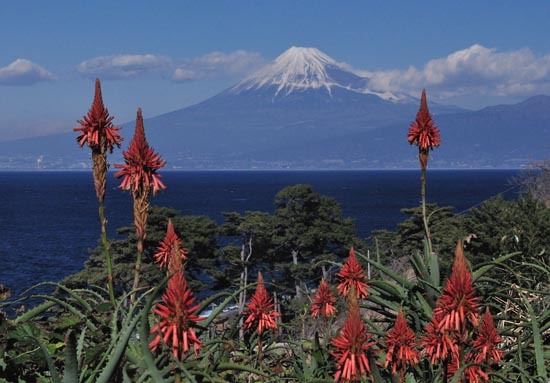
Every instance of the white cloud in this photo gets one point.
(24, 72)
(474, 70)
(211, 65)
(123, 66)
(217, 65)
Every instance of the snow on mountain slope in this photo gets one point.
(301, 69)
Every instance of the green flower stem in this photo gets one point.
(137, 268)
(424, 217)
(105, 242)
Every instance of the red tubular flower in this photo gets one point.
(471, 374)
(458, 304)
(323, 302)
(139, 172)
(401, 350)
(352, 346)
(352, 275)
(177, 319)
(259, 312)
(170, 252)
(97, 125)
(438, 344)
(423, 131)
(475, 374)
(485, 345)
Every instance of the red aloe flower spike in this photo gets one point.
(139, 172)
(170, 252)
(98, 132)
(177, 319)
(423, 131)
(97, 126)
(458, 303)
(401, 350)
(352, 346)
(352, 274)
(139, 175)
(485, 345)
(260, 310)
(438, 344)
(323, 302)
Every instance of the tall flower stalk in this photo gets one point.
(424, 133)
(98, 132)
(139, 175)
(260, 313)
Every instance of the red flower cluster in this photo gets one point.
(323, 302)
(423, 131)
(439, 344)
(456, 321)
(177, 318)
(458, 303)
(170, 252)
(139, 171)
(352, 346)
(484, 352)
(97, 126)
(457, 306)
(487, 340)
(260, 312)
(352, 275)
(401, 350)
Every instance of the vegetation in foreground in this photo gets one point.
(414, 305)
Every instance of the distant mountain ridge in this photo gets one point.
(306, 110)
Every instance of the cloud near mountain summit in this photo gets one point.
(218, 65)
(474, 70)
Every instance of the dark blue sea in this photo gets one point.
(49, 220)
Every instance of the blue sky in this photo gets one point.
(166, 55)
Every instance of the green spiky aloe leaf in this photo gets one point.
(537, 341)
(70, 375)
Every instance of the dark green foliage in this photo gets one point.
(306, 224)
(536, 182)
(445, 226)
(249, 238)
(501, 227)
(199, 237)
(307, 228)
(198, 234)
(497, 227)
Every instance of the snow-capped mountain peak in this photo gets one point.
(300, 69)
(297, 68)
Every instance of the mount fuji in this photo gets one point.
(301, 69)
(307, 110)
(281, 115)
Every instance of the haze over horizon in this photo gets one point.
(167, 56)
